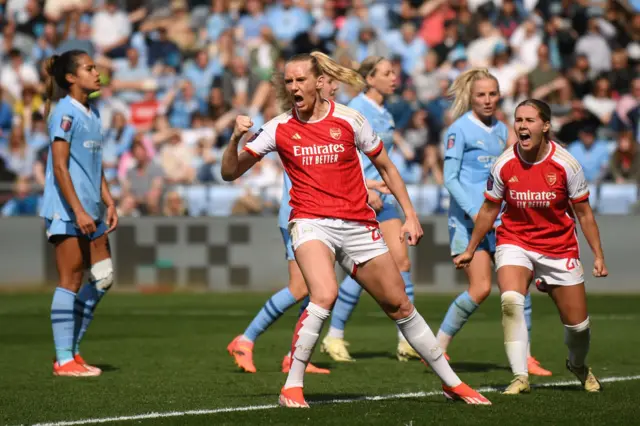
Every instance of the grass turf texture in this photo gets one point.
(163, 353)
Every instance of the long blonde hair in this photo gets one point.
(461, 88)
(320, 64)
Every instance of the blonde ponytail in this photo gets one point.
(462, 87)
(320, 64)
(343, 74)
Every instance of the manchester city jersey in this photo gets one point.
(81, 128)
(477, 147)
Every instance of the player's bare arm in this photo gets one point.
(394, 182)
(235, 164)
(584, 213)
(107, 199)
(60, 150)
(483, 224)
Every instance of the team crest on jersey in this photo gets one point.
(335, 133)
(66, 122)
(551, 178)
(451, 140)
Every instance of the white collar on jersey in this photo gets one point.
(319, 119)
(551, 148)
(81, 107)
(480, 123)
(380, 108)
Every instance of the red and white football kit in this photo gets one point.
(328, 193)
(538, 229)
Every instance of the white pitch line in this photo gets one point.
(156, 415)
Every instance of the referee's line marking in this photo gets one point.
(157, 415)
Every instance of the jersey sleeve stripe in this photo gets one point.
(568, 158)
(490, 198)
(375, 151)
(252, 152)
(581, 198)
(350, 113)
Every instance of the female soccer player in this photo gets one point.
(542, 185)
(380, 81)
(241, 347)
(472, 144)
(318, 142)
(75, 196)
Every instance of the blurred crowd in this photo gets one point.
(177, 72)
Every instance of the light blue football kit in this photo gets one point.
(80, 127)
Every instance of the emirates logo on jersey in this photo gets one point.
(551, 178)
(318, 154)
(335, 133)
(532, 199)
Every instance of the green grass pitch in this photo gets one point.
(167, 353)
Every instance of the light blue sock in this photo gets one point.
(270, 312)
(62, 322)
(527, 313)
(303, 306)
(86, 302)
(458, 314)
(348, 297)
(408, 284)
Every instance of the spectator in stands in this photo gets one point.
(120, 134)
(18, 73)
(6, 117)
(508, 19)
(46, 43)
(19, 158)
(600, 102)
(36, 133)
(181, 104)
(173, 205)
(625, 161)
(481, 50)
(201, 72)
(450, 42)
(408, 45)
(81, 40)
(132, 70)
(524, 42)
(287, 20)
(144, 182)
(24, 202)
(111, 30)
(595, 47)
(579, 76)
(592, 154)
(176, 159)
(218, 21)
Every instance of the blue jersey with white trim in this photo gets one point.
(471, 148)
(81, 128)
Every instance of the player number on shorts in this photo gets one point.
(375, 233)
(572, 264)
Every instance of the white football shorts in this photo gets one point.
(553, 271)
(353, 243)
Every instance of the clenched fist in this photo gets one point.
(243, 124)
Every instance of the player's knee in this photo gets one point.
(298, 289)
(512, 304)
(480, 291)
(325, 298)
(404, 264)
(101, 273)
(399, 309)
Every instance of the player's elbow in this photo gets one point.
(228, 177)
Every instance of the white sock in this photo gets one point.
(443, 340)
(336, 332)
(245, 338)
(289, 354)
(305, 338)
(528, 349)
(421, 338)
(401, 337)
(516, 338)
(577, 338)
